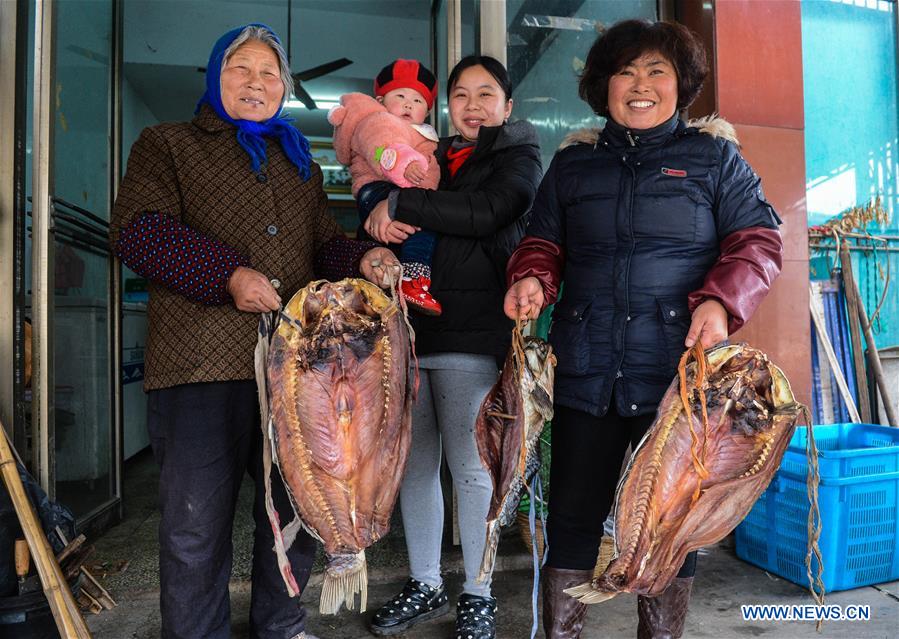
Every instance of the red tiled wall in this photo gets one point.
(759, 89)
(759, 60)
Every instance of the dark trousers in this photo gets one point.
(587, 454)
(205, 437)
(418, 247)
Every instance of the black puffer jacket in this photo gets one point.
(479, 215)
(642, 217)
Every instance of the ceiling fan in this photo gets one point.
(309, 74)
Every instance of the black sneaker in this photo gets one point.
(475, 617)
(416, 603)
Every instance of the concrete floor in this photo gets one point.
(722, 584)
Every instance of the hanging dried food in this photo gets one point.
(507, 431)
(339, 400)
(719, 436)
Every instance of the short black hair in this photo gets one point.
(626, 41)
(493, 66)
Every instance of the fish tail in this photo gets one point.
(345, 576)
(489, 558)
(586, 593)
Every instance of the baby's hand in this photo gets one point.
(415, 173)
(397, 164)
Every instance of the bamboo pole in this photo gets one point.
(824, 341)
(873, 356)
(65, 611)
(855, 335)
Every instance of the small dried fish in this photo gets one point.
(507, 431)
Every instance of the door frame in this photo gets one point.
(43, 410)
(42, 298)
(11, 111)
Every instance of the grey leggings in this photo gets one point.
(453, 385)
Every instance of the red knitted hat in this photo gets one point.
(407, 74)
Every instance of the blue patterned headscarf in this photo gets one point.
(251, 135)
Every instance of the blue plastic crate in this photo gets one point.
(858, 496)
(845, 450)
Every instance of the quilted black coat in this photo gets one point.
(642, 217)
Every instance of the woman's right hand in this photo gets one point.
(524, 299)
(252, 291)
(380, 266)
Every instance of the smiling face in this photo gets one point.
(251, 83)
(477, 100)
(643, 94)
(407, 104)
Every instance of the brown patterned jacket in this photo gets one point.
(197, 177)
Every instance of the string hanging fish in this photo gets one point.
(339, 398)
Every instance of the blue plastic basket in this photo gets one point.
(858, 496)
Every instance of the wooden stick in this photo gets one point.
(90, 603)
(873, 355)
(855, 334)
(72, 568)
(65, 611)
(71, 547)
(103, 596)
(824, 340)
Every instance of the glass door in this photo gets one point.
(454, 35)
(546, 51)
(69, 293)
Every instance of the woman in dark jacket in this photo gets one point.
(663, 237)
(490, 173)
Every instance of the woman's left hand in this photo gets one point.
(382, 228)
(709, 324)
(376, 266)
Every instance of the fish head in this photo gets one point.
(328, 316)
(336, 307)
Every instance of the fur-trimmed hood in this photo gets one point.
(712, 125)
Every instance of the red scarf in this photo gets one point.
(456, 158)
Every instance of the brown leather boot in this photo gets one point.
(563, 615)
(663, 617)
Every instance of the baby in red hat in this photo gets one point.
(386, 144)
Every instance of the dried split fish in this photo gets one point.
(339, 400)
(720, 433)
(507, 431)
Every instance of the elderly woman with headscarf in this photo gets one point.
(663, 238)
(223, 215)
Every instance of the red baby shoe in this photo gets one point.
(415, 292)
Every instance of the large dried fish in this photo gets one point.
(340, 401)
(507, 431)
(720, 433)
